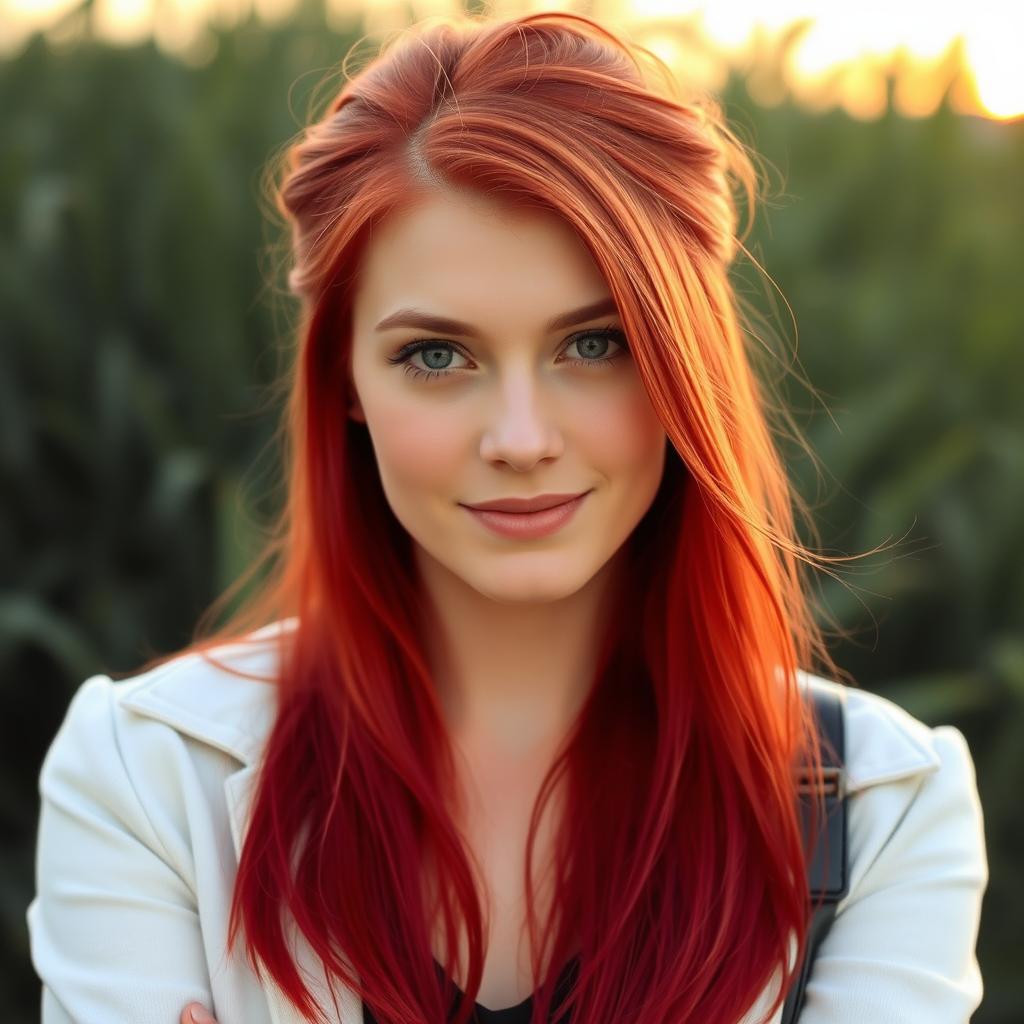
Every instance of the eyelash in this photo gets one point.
(420, 344)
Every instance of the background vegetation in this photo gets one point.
(140, 332)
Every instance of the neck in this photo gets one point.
(513, 675)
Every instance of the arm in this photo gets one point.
(114, 928)
(902, 947)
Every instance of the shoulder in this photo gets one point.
(894, 760)
(903, 940)
(152, 759)
(141, 789)
(914, 809)
(149, 747)
(226, 700)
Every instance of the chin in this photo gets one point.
(551, 584)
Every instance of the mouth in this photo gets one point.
(539, 503)
(529, 525)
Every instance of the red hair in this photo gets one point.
(680, 869)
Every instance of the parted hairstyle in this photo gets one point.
(681, 877)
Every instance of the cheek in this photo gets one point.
(417, 451)
(625, 437)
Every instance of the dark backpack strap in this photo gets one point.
(829, 875)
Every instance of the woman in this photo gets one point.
(521, 736)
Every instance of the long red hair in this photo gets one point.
(681, 875)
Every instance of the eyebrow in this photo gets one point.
(446, 325)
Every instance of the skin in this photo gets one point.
(516, 622)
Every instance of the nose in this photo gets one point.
(523, 428)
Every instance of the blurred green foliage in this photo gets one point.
(140, 333)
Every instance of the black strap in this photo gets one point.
(829, 868)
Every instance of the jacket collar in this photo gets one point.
(232, 713)
(884, 742)
(235, 714)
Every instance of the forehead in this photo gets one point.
(470, 257)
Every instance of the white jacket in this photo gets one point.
(145, 792)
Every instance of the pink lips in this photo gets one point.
(528, 525)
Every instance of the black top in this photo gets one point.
(518, 1014)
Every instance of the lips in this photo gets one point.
(529, 526)
(536, 504)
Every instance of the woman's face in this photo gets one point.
(513, 407)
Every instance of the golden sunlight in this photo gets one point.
(909, 54)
